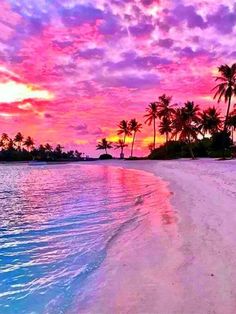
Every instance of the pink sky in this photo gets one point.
(71, 70)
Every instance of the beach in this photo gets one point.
(182, 260)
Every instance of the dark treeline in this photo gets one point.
(23, 149)
(188, 131)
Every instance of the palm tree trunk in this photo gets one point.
(132, 147)
(225, 125)
(167, 141)
(233, 135)
(190, 149)
(154, 138)
(227, 114)
(122, 148)
(106, 150)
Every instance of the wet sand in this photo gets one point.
(183, 259)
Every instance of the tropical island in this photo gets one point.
(117, 157)
(189, 131)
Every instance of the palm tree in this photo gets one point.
(186, 124)
(29, 143)
(165, 127)
(123, 130)
(48, 149)
(78, 154)
(19, 140)
(150, 147)
(227, 86)
(210, 121)
(58, 151)
(134, 127)
(232, 122)
(10, 145)
(191, 111)
(164, 106)
(4, 141)
(121, 145)
(165, 114)
(152, 114)
(104, 144)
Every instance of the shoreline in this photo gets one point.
(191, 269)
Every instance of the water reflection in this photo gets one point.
(56, 224)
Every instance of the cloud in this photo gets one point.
(80, 14)
(142, 29)
(223, 19)
(144, 81)
(189, 14)
(94, 53)
(132, 60)
(60, 60)
(81, 129)
(166, 43)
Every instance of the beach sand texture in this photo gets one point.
(185, 263)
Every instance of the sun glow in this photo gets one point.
(12, 91)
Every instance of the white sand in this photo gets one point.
(188, 263)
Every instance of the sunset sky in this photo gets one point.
(70, 70)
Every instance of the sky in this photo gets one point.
(71, 70)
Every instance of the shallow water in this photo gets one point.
(57, 223)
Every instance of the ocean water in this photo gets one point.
(57, 224)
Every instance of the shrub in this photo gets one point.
(105, 156)
(170, 150)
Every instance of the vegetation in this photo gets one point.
(23, 149)
(190, 132)
(134, 127)
(151, 117)
(121, 145)
(104, 144)
(124, 130)
(227, 87)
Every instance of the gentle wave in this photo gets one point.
(57, 224)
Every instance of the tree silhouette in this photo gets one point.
(151, 116)
(125, 131)
(186, 124)
(231, 122)
(134, 127)
(165, 127)
(165, 113)
(4, 141)
(120, 145)
(29, 143)
(104, 144)
(210, 121)
(18, 140)
(227, 86)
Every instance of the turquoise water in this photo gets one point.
(57, 223)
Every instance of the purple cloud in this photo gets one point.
(131, 60)
(189, 14)
(80, 14)
(81, 129)
(149, 2)
(166, 43)
(145, 81)
(95, 53)
(223, 20)
(141, 29)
